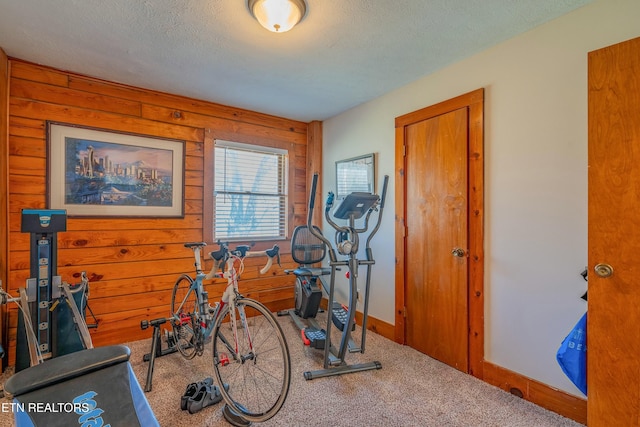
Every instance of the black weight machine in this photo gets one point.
(56, 363)
(308, 247)
(51, 321)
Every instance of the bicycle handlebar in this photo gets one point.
(222, 255)
(274, 252)
(268, 265)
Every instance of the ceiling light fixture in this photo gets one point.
(277, 15)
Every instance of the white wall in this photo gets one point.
(535, 178)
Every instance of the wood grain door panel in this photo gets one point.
(436, 219)
(613, 321)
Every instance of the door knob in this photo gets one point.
(603, 270)
(459, 252)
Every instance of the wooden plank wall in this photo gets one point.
(132, 263)
(4, 179)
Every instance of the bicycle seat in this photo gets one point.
(191, 245)
(311, 271)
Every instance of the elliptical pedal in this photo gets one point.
(340, 316)
(315, 338)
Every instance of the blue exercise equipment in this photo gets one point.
(94, 387)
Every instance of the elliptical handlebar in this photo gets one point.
(312, 197)
(381, 207)
(312, 229)
(330, 200)
(327, 216)
(384, 191)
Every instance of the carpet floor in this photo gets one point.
(411, 389)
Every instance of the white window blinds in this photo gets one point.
(250, 192)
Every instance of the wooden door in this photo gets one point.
(436, 221)
(439, 208)
(613, 319)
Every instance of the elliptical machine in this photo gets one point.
(309, 246)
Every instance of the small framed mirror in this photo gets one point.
(356, 174)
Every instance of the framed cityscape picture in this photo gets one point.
(95, 172)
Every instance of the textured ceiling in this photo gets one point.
(343, 53)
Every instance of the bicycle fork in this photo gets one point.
(234, 348)
(247, 335)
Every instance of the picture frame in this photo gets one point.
(356, 174)
(95, 172)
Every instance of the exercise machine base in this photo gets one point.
(340, 370)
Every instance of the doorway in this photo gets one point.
(439, 229)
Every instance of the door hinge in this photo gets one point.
(404, 312)
(404, 150)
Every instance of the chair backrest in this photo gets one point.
(306, 248)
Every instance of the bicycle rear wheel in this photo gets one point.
(258, 374)
(184, 315)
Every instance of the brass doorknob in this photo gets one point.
(459, 252)
(603, 270)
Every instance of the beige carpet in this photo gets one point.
(411, 389)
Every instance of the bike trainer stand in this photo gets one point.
(156, 347)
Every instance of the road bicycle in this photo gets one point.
(250, 354)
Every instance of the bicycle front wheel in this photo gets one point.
(257, 373)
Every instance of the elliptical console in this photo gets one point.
(356, 204)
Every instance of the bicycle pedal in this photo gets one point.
(223, 359)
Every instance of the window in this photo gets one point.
(250, 191)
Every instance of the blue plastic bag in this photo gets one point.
(572, 355)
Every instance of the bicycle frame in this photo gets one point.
(229, 297)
